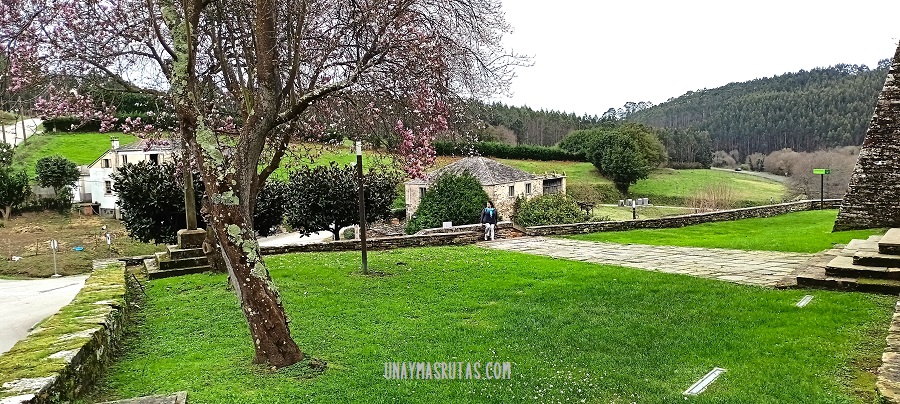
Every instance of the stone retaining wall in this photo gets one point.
(888, 382)
(68, 352)
(681, 220)
(470, 234)
(459, 235)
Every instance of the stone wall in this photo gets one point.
(459, 235)
(682, 220)
(69, 351)
(888, 381)
(873, 197)
(470, 234)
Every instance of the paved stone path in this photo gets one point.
(762, 268)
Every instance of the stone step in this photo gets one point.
(876, 259)
(890, 242)
(857, 245)
(165, 263)
(844, 267)
(177, 398)
(176, 253)
(817, 278)
(159, 273)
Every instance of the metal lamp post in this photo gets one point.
(362, 207)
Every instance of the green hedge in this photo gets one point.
(451, 198)
(548, 209)
(65, 123)
(505, 151)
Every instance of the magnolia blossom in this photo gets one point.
(72, 104)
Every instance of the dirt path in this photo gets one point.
(770, 176)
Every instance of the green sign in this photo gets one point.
(821, 171)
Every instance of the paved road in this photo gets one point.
(762, 268)
(14, 134)
(23, 303)
(773, 177)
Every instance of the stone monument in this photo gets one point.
(873, 198)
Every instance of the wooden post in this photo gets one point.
(22, 114)
(362, 207)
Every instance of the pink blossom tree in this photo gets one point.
(247, 77)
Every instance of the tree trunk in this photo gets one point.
(258, 296)
(6, 212)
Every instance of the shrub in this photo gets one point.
(505, 151)
(681, 165)
(70, 124)
(325, 197)
(13, 190)
(713, 197)
(152, 201)
(618, 157)
(61, 202)
(55, 172)
(270, 205)
(454, 198)
(548, 209)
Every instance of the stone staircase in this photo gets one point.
(185, 258)
(871, 265)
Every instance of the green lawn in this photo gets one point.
(572, 331)
(674, 187)
(664, 187)
(81, 148)
(806, 232)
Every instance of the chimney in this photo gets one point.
(115, 142)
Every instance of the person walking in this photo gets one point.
(489, 220)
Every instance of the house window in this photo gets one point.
(105, 163)
(108, 187)
(512, 190)
(422, 191)
(528, 188)
(154, 158)
(124, 160)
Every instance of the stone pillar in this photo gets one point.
(873, 198)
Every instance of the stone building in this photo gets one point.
(501, 182)
(873, 198)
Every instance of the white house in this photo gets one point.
(98, 182)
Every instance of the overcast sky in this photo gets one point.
(591, 55)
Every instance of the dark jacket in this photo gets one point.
(489, 215)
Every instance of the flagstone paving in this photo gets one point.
(762, 268)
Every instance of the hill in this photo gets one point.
(805, 110)
(81, 148)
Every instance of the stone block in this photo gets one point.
(191, 238)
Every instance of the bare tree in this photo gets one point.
(246, 77)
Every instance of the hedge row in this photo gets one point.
(505, 151)
(71, 124)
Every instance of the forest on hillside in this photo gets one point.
(803, 111)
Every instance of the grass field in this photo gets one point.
(807, 232)
(572, 332)
(664, 187)
(673, 187)
(81, 148)
(28, 236)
